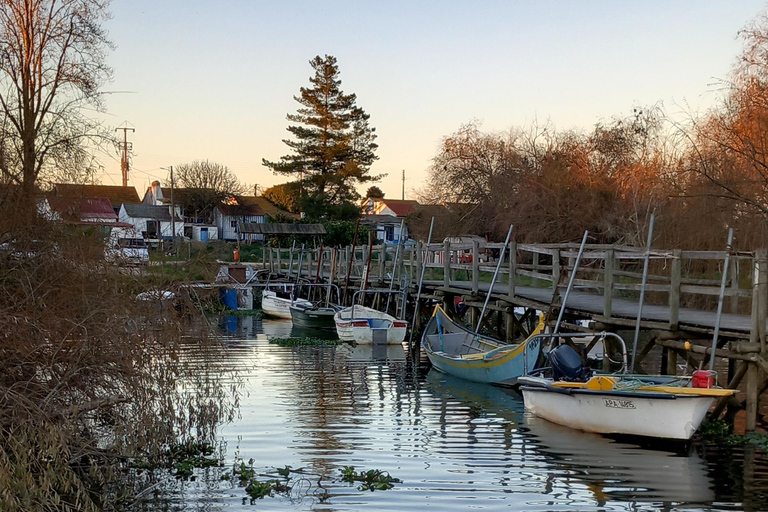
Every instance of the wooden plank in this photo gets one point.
(536, 275)
(674, 289)
(713, 290)
(475, 267)
(637, 287)
(512, 270)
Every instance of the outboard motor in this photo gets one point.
(566, 364)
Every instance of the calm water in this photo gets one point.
(455, 445)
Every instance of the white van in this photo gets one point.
(127, 248)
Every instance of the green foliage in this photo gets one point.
(333, 146)
(374, 192)
(297, 342)
(284, 195)
(371, 480)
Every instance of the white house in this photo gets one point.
(245, 210)
(153, 222)
(385, 217)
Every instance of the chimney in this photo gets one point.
(256, 190)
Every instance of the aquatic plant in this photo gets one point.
(371, 480)
(298, 342)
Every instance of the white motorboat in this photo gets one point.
(358, 323)
(276, 301)
(664, 407)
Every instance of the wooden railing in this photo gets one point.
(683, 277)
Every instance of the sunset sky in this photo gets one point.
(215, 80)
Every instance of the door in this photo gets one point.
(203, 234)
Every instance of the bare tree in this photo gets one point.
(52, 64)
(208, 175)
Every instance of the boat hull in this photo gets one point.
(502, 370)
(455, 350)
(658, 415)
(320, 318)
(279, 307)
(359, 328)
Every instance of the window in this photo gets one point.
(233, 223)
(389, 233)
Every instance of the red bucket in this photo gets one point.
(704, 379)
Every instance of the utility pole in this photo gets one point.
(173, 215)
(403, 198)
(124, 165)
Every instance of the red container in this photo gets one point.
(704, 378)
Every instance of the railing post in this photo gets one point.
(733, 271)
(759, 299)
(382, 262)
(446, 263)
(675, 278)
(555, 269)
(279, 262)
(419, 249)
(608, 283)
(512, 270)
(475, 267)
(535, 280)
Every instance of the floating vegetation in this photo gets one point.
(719, 432)
(300, 342)
(183, 459)
(299, 484)
(371, 480)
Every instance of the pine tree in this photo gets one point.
(333, 144)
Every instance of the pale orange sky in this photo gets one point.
(215, 80)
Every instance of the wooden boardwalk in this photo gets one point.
(590, 306)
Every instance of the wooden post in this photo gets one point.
(761, 271)
(752, 398)
(675, 278)
(509, 330)
(446, 263)
(608, 284)
(475, 268)
(671, 361)
(279, 261)
(555, 269)
(271, 262)
(535, 280)
(733, 271)
(512, 271)
(419, 248)
(382, 263)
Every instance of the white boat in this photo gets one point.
(276, 301)
(358, 323)
(663, 407)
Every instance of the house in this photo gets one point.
(153, 222)
(245, 210)
(78, 210)
(385, 217)
(195, 205)
(116, 195)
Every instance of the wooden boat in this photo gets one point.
(358, 324)
(312, 316)
(650, 406)
(460, 352)
(277, 299)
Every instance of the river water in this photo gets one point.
(455, 445)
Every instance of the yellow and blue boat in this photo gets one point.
(458, 351)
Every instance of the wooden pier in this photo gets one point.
(681, 294)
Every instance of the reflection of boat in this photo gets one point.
(360, 324)
(277, 299)
(456, 350)
(619, 470)
(494, 401)
(616, 403)
(365, 353)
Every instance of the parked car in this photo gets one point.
(127, 250)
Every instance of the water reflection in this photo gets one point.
(456, 445)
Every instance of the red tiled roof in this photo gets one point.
(401, 207)
(82, 209)
(116, 195)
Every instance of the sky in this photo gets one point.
(214, 80)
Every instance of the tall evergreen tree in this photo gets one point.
(333, 146)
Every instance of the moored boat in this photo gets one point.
(277, 299)
(313, 317)
(358, 324)
(458, 351)
(651, 406)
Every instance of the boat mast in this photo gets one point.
(493, 281)
(642, 292)
(570, 283)
(394, 264)
(721, 297)
(421, 280)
